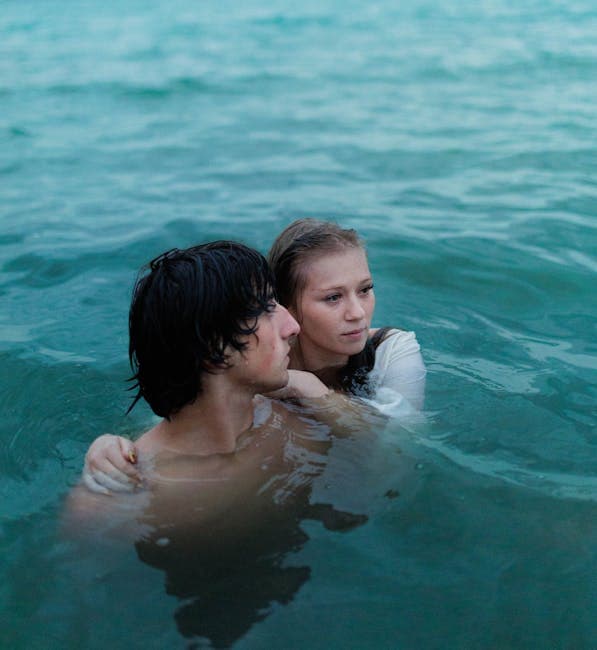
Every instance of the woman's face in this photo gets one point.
(335, 307)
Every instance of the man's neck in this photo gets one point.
(210, 425)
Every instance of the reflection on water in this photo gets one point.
(222, 593)
(225, 591)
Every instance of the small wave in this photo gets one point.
(24, 498)
(11, 238)
(555, 484)
(181, 85)
(526, 66)
(39, 271)
(18, 132)
(285, 21)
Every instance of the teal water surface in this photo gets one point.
(459, 138)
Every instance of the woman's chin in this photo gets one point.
(354, 345)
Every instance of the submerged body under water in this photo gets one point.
(459, 139)
(226, 531)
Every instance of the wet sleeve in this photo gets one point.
(399, 368)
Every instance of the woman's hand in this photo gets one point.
(110, 465)
(301, 384)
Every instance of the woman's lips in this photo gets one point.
(354, 334)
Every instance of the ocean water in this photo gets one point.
(460, 139)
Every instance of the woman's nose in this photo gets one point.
(354, 309)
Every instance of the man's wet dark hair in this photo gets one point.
(189, 307)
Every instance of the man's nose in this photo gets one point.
(290, 326)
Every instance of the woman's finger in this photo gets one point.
(127, 447)
(114, 460)
(93, 485)
(113, 482)
(108, 452)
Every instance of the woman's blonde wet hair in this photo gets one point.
(299, 242)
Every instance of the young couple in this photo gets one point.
(214, 326)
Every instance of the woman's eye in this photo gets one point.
(333, 298)
(367, 289)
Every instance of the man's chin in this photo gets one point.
(284, 380)
(273, 386)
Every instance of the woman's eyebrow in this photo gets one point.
(327, 289)
(339, 287)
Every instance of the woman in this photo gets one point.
(323, 279)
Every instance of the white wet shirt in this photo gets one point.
(398, 376)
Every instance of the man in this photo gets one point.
(228, 475)
(206, 336)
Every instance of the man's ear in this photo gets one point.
(231, 355)
(216, 368)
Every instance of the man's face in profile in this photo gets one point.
(264, 363)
